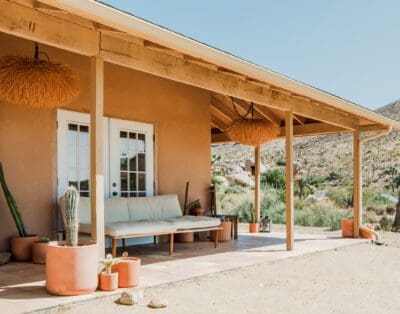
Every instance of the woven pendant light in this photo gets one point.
(36, 82)
(250, 131)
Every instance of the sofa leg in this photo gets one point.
(154, 240)
(171, 243)
(123, 244)
(216, 239)
(114, 247)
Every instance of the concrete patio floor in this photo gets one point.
(22, 284)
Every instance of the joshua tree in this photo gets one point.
(71, 216)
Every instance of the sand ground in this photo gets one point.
(362, 278)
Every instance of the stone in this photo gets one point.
(242, 179)
(5, 257)
(127, 298)
(157, 304)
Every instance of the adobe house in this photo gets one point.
(172, 96)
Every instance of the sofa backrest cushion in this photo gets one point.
(154, 207)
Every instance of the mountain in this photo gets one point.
(323, 155)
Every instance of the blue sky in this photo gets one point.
(349, 48)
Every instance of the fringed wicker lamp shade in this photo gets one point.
(36, 83)
(250, 131)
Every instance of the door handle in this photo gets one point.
(115, 193)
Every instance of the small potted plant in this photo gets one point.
(128, 268)
(71, 265)
(253, 226)
(195, 209)
(108, 278)
(39, 251)
(21, 246)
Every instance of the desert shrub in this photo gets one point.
(216, 181)
(274, 178)
(334, 176)
(277, 213)
(234, 189)
(244, 211)
(373, 196)
(342, 197)
(379, 210)
(314, 180)
(385, 223)
(391, 210)
(370, 217)
(281, 162)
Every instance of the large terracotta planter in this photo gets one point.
(128, 269)
(367, 234)
(184, 237)
(347, 228)
(223, 234)
(72, 270)
(39, 252)
(253, 227)
(109, 282)
(21, 247)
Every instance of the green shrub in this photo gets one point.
(373, 196)
(342, 197)
(314, 180)
(391, 209)
(370, 217)
(274, 178)
(277, 213)
(244, 211)
(334, 176)
(385, 223)
(234, 189)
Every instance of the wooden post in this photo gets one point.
(96, 151)
(357, 196)
(257, 161)
(289, 180)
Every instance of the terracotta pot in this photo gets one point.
(128, 269)
(21, 247)
(197, 211)
(109, 282)
(366, 234)
(72, 270)
(39, 252)
(253, 227)
(184, 237)
(347, 228)
(225, 233)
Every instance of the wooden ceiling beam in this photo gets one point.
(223, 109)
(220, 116)
(268, 114)
(218, 123)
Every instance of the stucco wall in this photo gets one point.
(28, 150)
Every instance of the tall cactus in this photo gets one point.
(12, 205)
(71, 216)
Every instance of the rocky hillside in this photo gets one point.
(321, 156)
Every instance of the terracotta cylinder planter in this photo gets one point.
(225, 233)
(184, 237)
(39, 253)
(21, 247)
(109, 282)
(128, 269)
(253, 227)
(366, 234)
(347, 228)
(72, 270)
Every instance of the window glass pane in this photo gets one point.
(142, 142)
(73, 177)
(124, 181)
(124, 162)
(133, 194)
(72, 157)
(132, 182)
(132, 152)
(84, 135)
(124, 194)
(132, 135)
(84, 180)
(83, 158)
(141, 162)
(142, 194)
(84, 194)
(72, 134)
(132, 163)
(142, 182)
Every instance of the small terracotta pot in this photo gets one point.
(184, 237)
(366, 234)
(347, 228)
(39, 252)
(109, 282)
(21, 247)
(72, 270)
(197, 211)
(128, 269)
(253, 227)
(225, 233)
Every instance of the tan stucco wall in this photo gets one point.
(28, 150)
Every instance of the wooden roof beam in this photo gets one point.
(223, 109)
(218, 123)
(267, 114)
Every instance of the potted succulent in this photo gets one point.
(195, 209)
(253, 226)
(71, 265)
(21, 246)
(39, 251)
(108, 278)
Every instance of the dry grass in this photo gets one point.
(40, 84)
(252, 132)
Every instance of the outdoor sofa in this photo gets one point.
(144, 216)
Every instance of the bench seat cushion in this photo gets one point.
(119, 229)
(194, 222)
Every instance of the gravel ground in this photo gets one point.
(362, 278)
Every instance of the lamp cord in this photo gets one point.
(249, 110)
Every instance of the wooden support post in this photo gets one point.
(357, 196)
(96, 152)
(257, 161)
(171, 243)
(289, 181)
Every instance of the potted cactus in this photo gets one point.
(21, 246)
(108, 278)
(39, 251)
(71, 265)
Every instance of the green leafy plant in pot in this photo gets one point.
(39, 251)
(71, 265)
(21, 246)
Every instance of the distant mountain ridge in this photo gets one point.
(323, 155)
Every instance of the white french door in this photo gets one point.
(128, 155)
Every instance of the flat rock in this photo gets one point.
(157, 304)
(127, 298)
(5, 257)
